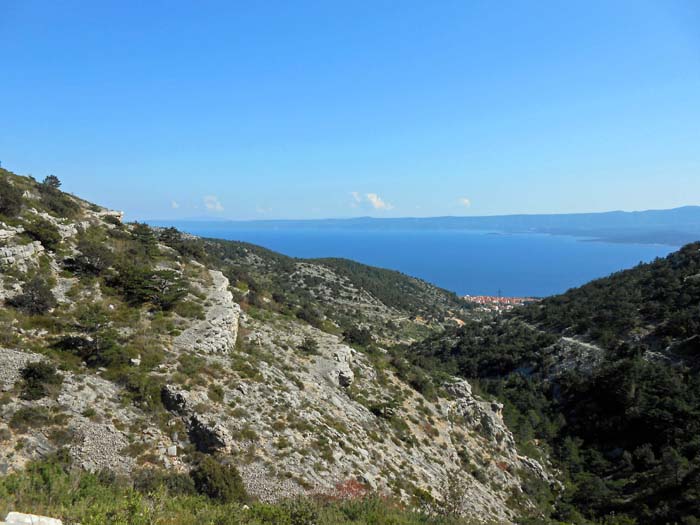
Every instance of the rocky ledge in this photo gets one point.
(217, 333)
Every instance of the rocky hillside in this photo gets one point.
(132, 350)
(333, 294)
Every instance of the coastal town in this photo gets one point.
(497, 303)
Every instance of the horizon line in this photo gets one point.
(370, 217)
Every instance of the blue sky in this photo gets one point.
(335, 109)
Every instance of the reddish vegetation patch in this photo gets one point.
(350, 489)
(502, 465)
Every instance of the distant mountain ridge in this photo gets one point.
(674, 227)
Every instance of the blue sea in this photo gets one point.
(466, 262)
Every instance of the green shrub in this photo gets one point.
(358, 336)
(145, 238)
(168, 288)
(190, 248)
(301, 512)
(57, 490)
(50, 183)
(309, 345)
(101, 349)
(220, 482)
(140, 284)
(10, 198)
(189, 310)
(30, 417)
(37, 378)
(95, 257)
(149, 480)
(36, 297)
(311, 315)
(143, 390)
(43, 231)
(216, 393)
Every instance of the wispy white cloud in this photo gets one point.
(378, 203)
(263, 210)
(356, 199)
(463, 201)
(211, 203)
(174, 205)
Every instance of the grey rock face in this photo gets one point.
(206, 433)
(574, 355)
(459, 388)
(343, 356)
(20, 255)
(175, 399)
(217, 333)
(481, 416)
(345, 377)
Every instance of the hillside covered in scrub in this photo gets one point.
(137, 363)
(605, 379)
(151, 375)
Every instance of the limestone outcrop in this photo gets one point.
(20, 255)
(19, 518)
(217, 333)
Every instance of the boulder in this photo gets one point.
(209, 436)
(19, 518)
(345, 377)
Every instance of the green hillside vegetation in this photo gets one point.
(627, 435)
(395, 288)
(52, 488)
(651, 307)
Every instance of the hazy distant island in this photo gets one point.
(673, 227)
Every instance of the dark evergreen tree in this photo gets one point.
(36, 297)
(10, 198)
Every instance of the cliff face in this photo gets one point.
(157, 360)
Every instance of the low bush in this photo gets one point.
(43, 231)
(30, 417)
(309, 346)
(220, 482)
(10, 198)
(36, 297)
(358, 336)
(38, 378)
(150, 480)
(140, 284)
(190, 310)
(95, 257)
